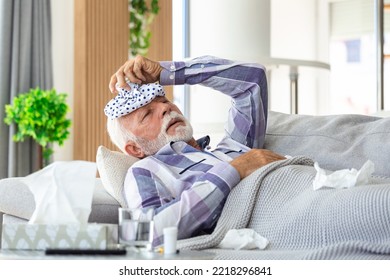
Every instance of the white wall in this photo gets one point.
(63, 62)
(300, 31)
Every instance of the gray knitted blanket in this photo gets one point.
(278, 202)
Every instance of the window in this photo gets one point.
(353, 58)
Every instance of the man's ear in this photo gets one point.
(134, 150)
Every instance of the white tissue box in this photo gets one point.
(75, 236)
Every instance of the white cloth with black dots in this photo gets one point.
(128, 101)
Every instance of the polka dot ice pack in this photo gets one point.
(128, 101)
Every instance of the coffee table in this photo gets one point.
(130, 255)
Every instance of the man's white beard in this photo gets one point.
(183, 133)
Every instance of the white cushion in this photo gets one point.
(112, 167)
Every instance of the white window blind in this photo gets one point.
(353, 18)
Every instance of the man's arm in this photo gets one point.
(245, 83)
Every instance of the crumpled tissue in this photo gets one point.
(62, 192)
(345, 178)
(244, 238)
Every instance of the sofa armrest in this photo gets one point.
(17, 200)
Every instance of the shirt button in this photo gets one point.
(171, 77)
(202, 66)
(172, 67)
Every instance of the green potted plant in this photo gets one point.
(141, 16)
(40, 114)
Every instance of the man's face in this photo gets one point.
(156, 124)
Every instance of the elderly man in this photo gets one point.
(185, 181)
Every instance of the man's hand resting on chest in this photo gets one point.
(247, 163)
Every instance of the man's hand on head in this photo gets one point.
(247, 163)
(138, 70)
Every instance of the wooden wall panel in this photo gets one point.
(161, 40)
(161, 29)
(101, 46)
(101, 40)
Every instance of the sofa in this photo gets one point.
(335, 142)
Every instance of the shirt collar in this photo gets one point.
(203, 142)
(183, 147)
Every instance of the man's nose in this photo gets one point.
(165, 109)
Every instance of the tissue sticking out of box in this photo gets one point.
(345, 178)
(62, 192)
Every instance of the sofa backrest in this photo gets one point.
(334, 141)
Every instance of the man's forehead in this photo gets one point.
(146, 106)
(137, 112)
(159, 98)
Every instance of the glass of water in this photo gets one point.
(136, 227)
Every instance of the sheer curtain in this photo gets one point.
(25, 62)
